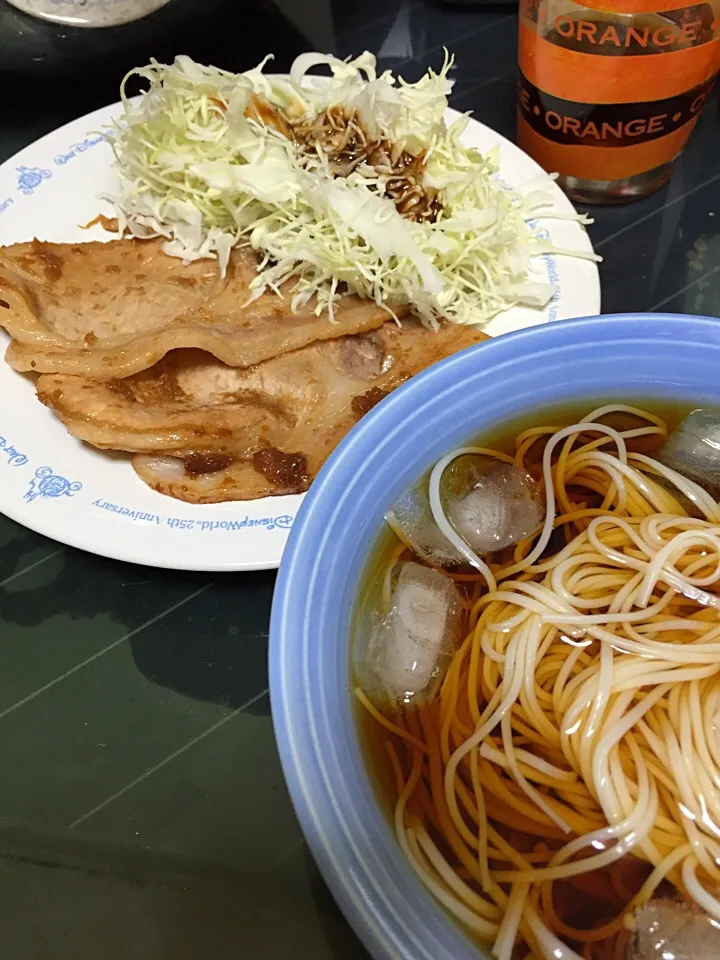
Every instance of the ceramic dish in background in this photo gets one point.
(611, 358)
(89, 13)
(73, 493)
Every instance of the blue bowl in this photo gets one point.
(477, 390)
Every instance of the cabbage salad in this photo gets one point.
(349, 183)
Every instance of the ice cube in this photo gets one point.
(501, 509)
(409, 650)
(667, 929)
(412, 514)
(693, 449)
(491, 504)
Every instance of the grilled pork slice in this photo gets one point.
(210, 433)
(109, 310)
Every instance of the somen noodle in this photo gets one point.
(572, 754)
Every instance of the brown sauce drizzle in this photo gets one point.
(199, 463)
(366, 401)
(287, 470)
(343, 138)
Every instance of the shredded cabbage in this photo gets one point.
(196, 166)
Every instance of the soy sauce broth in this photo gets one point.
(596, 896)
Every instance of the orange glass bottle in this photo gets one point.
(609, 90)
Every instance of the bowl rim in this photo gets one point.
(364, 905)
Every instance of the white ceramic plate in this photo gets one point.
(72, 493)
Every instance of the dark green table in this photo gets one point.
(143, 813)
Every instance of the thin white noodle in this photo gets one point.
(507, 933)
(695, 493)
(444, 525)
(696, 890)
(593, 681)
(456, 886)
(529, 760)
(465, 915)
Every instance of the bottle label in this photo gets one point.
(607, 124)
(594, 99)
